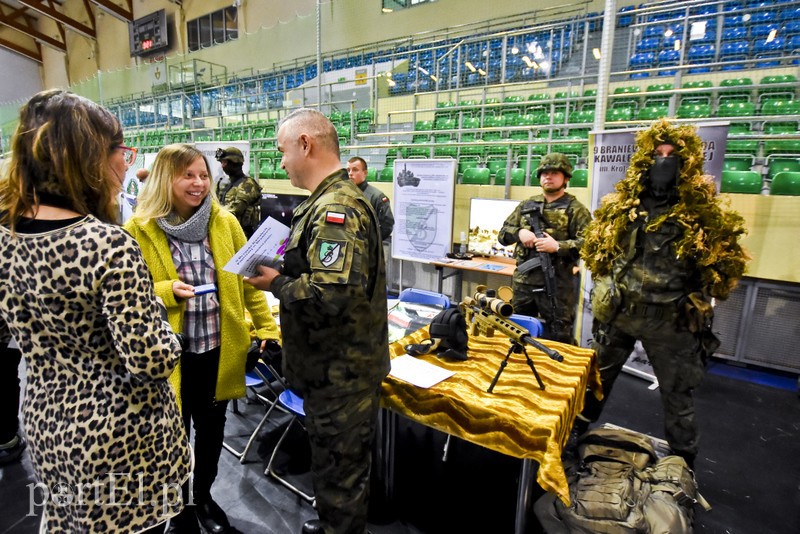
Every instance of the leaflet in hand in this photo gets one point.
(266, 247)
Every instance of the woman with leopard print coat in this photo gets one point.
(105, 435)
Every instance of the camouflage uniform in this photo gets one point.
(382, 206)
(332, 290)
(242, 197)
(564, 220)
(652, 283)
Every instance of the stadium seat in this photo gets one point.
(741, 146)
(741, 182)
(736, 109)
(476, 175)
(694, 111)
(781, 146)
(779, 164)
(466, 162)
(265, 169)
(737, 164)
(580, 178)
(619, 114)
(386, 174)
(652, 113)
(785, 183)
(780, 107)
(517, 176)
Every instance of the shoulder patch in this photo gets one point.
(334, 217)
(330, 252)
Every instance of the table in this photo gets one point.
(482, 265)
(518, 419)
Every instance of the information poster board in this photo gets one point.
(132, 187)
(611, 155)
(424, 190)
(209, 150)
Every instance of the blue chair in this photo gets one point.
(293, 404)
(421, 296)
(261, 377)
(531, 324)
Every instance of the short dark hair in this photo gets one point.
(362, 160)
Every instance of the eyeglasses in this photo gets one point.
(128, 154)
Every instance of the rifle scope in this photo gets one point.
(495, 305)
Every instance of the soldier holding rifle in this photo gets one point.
(547, 231)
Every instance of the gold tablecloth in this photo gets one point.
(517, 419)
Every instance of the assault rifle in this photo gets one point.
(485, 312)
(532, 212)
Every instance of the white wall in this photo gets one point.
(21, 77)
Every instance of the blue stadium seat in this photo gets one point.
(650, 44)
(643, 60)
(653, 31)
(422, 296)
(531, 324)
(761, 31)
(734, 33)
(668, 58)
(734, 51)
(772, 50)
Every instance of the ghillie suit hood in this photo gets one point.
(711, 232)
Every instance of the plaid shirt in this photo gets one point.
(195, 266)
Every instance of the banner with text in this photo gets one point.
(424, 190)
(612, 151)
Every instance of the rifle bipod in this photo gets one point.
(516, 348)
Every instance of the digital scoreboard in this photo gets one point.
(149, 34)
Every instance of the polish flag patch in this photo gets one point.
(334, 217)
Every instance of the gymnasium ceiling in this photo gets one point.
(28, 25)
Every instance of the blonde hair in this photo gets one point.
(62, 146)
(156, 199)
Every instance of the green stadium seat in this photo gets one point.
(785, 92)
(699, 97)
(741, 182)
(736, 109)
(735, 90)
(490, 121)
(780, 107)
(494, 164)
(444, 124)
(423, 126)
(467, 162)
(280, 174)
(517, 176)
(632, 101)
(470, 123)
(476, 175)
(475, 148)
(619, 114)
(652, 113)
(265, 169)
(781, 146)
(580, 178)
(583, 116)
(445, 151)
(694, 111)
(386, 174)
(737, 164)
(372, 174)
(523, 161)
(777, 165)
(785, 183)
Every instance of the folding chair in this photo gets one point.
(263, 375)
(292, 404)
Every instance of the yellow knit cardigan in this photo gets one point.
(225, 237)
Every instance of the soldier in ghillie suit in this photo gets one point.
(561, 219)
(332, 289)
(659, 249)
(241, 194)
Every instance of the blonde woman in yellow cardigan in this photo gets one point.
(186, 238)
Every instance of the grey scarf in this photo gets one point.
(193, 229)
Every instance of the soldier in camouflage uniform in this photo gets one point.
(659, 249)
(357, 170)
(240, 194)
(564, 219)
(332, 289)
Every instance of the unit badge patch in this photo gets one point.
(329, 252)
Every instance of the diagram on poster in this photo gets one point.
(423, 208)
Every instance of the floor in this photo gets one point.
(748, 468)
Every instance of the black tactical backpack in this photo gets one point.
(620, 486)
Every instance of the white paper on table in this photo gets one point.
(418, 372)
(266, 247)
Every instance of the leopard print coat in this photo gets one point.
(106, 438)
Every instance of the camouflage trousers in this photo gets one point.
(341, 430)
(674, 353)
(533, 302)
